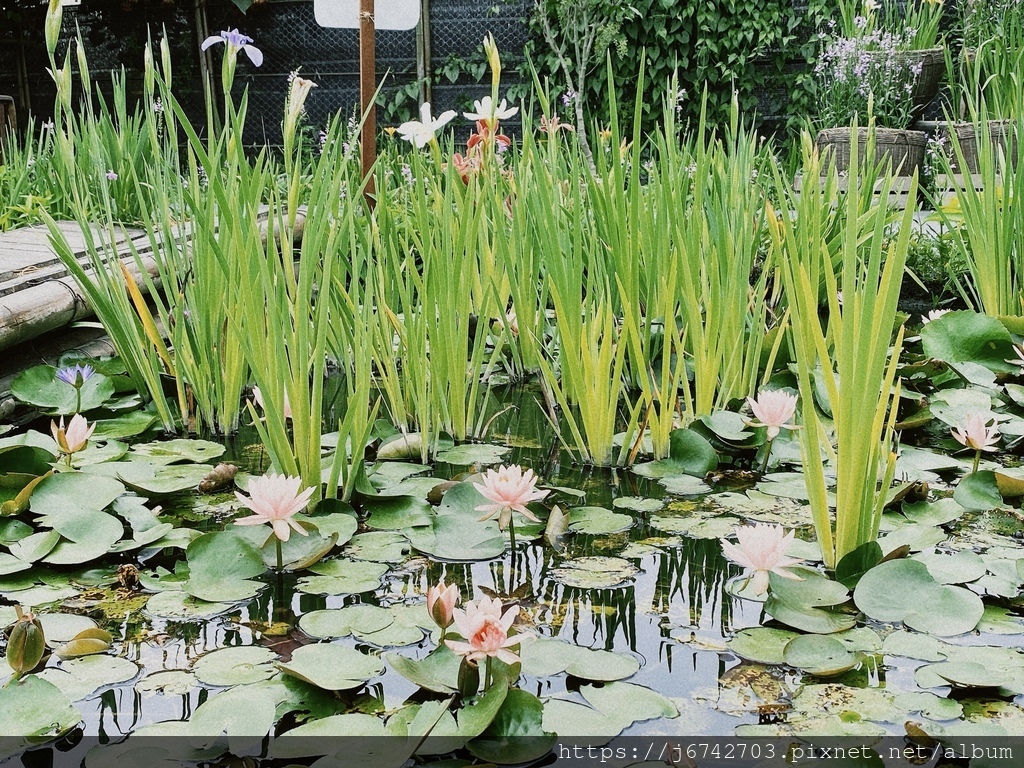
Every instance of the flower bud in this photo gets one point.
(469, 678)
(54, 15)
(26, 645)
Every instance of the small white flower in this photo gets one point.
(489, 113)
(421, 132)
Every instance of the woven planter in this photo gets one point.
(999, 132)
(933, 70)
(903, 149)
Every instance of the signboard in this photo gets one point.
(388, 14)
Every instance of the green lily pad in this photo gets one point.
(516, 735)
(937, 512)
(999, 621)
(34, 711)
(180, 606)
(235, 666)
(220, 565)
(961, 674)
(929, 705)
(80, 678)
(332, 667)
(955, 568)
(695, 526)
(342, 577)
(806, 604)
(59, 628)
(168, 451)
(820, 655)
(763, 645)
(169, 682)
(473, 453)
(12, 531)
(39, 386)
(438, 671)
(543, 657)
(969, 337)
(52, 495)
(379, 547)
(9, 564)
(916, 537)
(728, 426)
(978, 491)
(595, 572)
(158, 479)
(344, 524)
(456, 532)
(638, 504)
(684, 485)
(597, 521)
(395, 513)
(904, 590)
(35, 547)
(618, 704)
(689, 454)
(388, 473)
(345, 621)
(127, 425)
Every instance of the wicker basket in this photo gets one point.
(903, 149)
(1000, 133)
(933, 70)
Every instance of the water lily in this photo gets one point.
(762, 551)
(74, 437)
(773, 409)
(441, 601)
(421, 132)
(935, 314)
(1018, 349)
(486, 111)
(975, 433)
(235, 42)
(510, 490)
(485, 626)
(258, 394)
(76, 375)
(275, 499)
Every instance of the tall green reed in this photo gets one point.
(849, 348)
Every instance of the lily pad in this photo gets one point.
(80, 678)
(345, 621)
(595, 572)
(978, 491)
(820, 655)
(999, 621)
(169, 682)
(696, 526)
(52, 495)
(168, 451)
(954, 568)
(159, 479)
(235, 666)
(379, 547)
(438, 671)
(220, 566)
(456, 532)
(344, 524)
(763, 645)
(516, 735)
(39, 386)
(806, 604)
(127, 425)
(59, 628)
(180, 606)
(961, 674)
(543, 657)
(332, 667)
(473, 453)
(689, 454)
(638, 504)
(613, 708)
(395, 513)
(343, 577)
(598, 521)
(969, 337)
(34, 711)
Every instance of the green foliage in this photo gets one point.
(723, 45)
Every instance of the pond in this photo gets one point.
(631, 619)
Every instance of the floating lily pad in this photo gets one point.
(80, 678)
(689, 454)
(332, 667)
(937, 512)
(955, 568)
(395, 513)
(169, 682)
(619, 705)
(684, 485)
(638, 504)
(159, 479)
(345, 621)
(344, 524)
(59, 628)
(456, 532)
(473, 453)
(963, 674)
(52, 495)
(808, 604)
(168, 451)
(904, 590)
(543, 657)
(969, 337)
(35, 711)
(820, 655)
(999, 621)
(128, 425)
(696, 526)
(763, 645)
(916, 537)
(35, 547)
(181, 606)
(978, 491)
(597, 521)
(39, 386)
(342, 577)
(596, 572)
(516, 735)
(929, 705)
(235, 666)
(378, 546)
(438, 671)
(220, 566)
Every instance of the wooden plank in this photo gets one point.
(899, 192)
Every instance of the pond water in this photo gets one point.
(658, 595)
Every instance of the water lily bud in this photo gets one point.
(441, 602)
(469, 678)
(26, 645)
(54, 15)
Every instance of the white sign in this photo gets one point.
(388, 14)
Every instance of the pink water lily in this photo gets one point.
(510, 490)
(974, 433)
(287, 408)
(275, 499)
(773, 409)
(1018, 350)
(441, 601)
(485, 627)
(762, 551)
(74, 437)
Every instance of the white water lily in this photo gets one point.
(421, 132)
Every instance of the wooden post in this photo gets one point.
(367, 87)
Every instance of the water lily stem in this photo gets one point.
(78, 400)
(977, 460)
(488, 679)
(280, 556)
(512, 536)
(767, 455)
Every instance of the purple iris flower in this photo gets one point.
(241, 42)
(76, 376)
